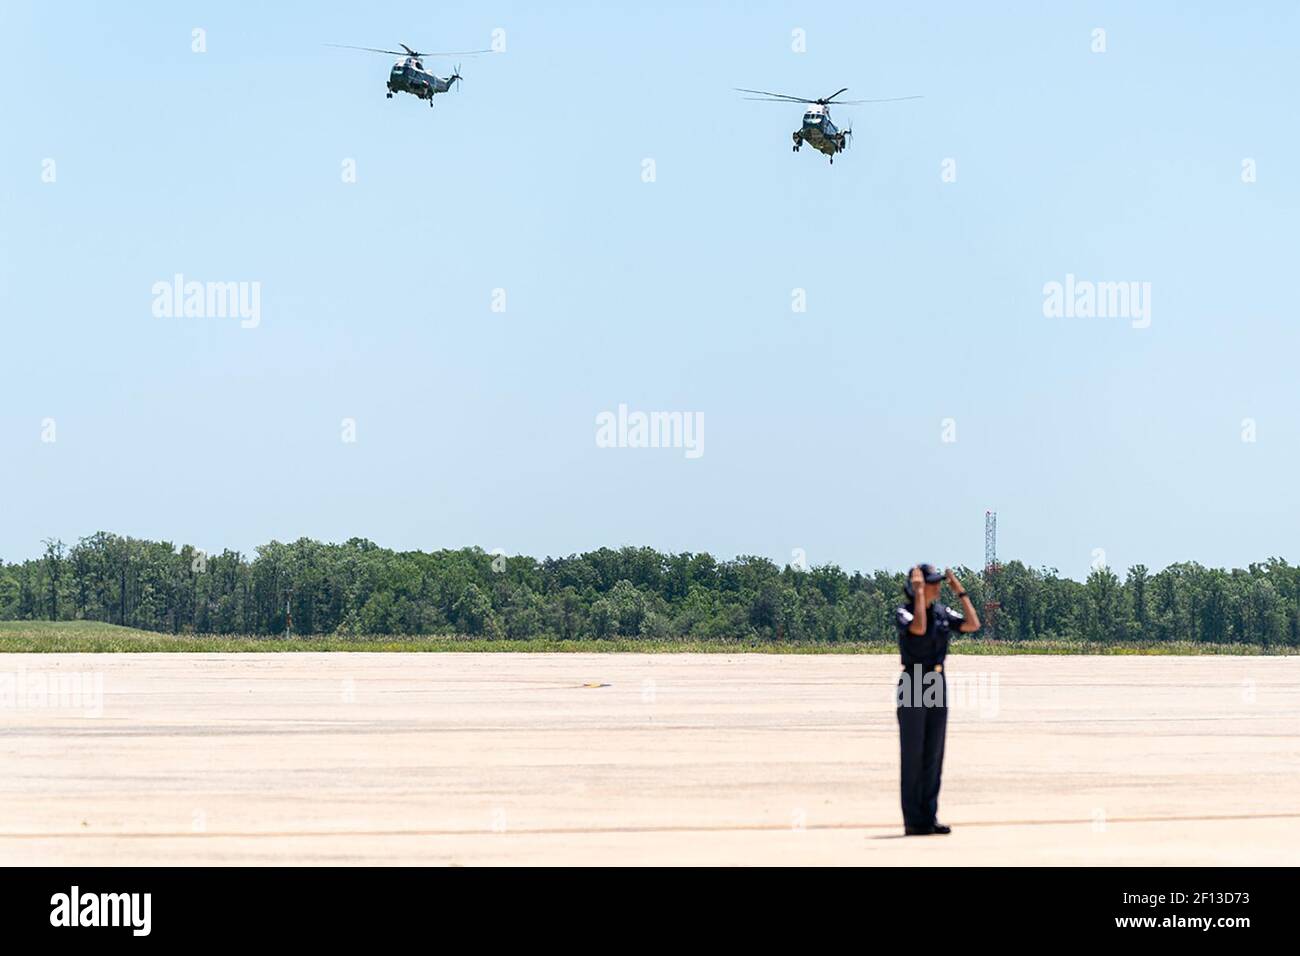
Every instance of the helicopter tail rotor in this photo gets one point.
(456, 77)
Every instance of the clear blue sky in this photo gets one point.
(822, 429)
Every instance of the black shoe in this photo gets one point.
(940, 828)
(918, 831)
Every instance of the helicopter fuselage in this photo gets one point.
(819, 132)
(409, 76)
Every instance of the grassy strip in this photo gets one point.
(95, 638)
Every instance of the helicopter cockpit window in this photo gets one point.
(419, 65)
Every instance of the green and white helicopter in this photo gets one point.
(408, 74)
(817, 130)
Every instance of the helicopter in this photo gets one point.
(409, 75)
(817, 130)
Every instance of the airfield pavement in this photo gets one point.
(474, 759)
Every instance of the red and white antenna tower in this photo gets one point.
(991, 602)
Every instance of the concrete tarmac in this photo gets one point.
(486, 759)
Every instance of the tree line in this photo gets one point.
(309, 587)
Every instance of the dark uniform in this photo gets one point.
(923, 711)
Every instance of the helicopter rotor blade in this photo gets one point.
(406, 51)
(769, 97)
(779, 97)
(370, 49)
(891, 99)
(457, 53)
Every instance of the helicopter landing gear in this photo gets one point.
(389, 95)
(796, 148)
(431, 102)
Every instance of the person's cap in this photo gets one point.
(932, 574)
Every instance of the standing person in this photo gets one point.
(924, 626)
